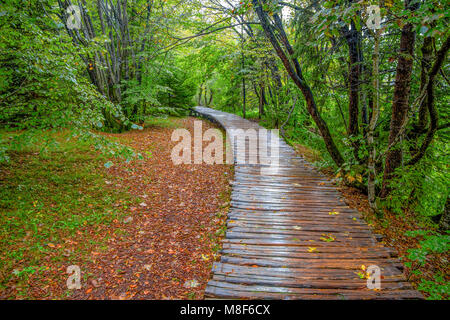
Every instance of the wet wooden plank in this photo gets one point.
(349, 293)
(293, 250)
(273, 247)
(297, 272)
(392, 283)
(312, 294)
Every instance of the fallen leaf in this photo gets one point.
(205, 257)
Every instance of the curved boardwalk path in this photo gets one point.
(273, 247)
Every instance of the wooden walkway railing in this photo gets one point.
(291, 236)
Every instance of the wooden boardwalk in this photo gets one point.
(283, 243)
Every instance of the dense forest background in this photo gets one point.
(371, 104)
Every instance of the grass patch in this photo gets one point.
(162, 122)
(53, 206)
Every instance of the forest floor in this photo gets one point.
(433, 276)
(147, 229)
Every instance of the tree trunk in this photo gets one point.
(427, 56)
(352, 37)
(400, 104)
(206, 100)
(353, 41)
(243, 79)
(262, 100)
(200, 93)
(293, 68)
(373, 122)
(243, 97)
(210, 97)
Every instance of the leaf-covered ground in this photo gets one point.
(147, 229)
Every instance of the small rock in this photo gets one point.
(191, 283)
(143, 204)
(128, 220)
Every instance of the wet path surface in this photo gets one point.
(291, 236)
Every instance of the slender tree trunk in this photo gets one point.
(262, 100)
(200, 93)
(352, 36)
(243, 98)
(427, 55)
(206, 97)
(243, 78)
(365, 101)
(373, 122)
(293, 68)
(210, 97)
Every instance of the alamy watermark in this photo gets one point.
(73, 21)
(373, 21)
(258, 147)
(74, 18)
(74, 280)
(373, 277)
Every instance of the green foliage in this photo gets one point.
(431, 245)
(437, 289)
(179, 92)
(48, 197)
(164, 90)
(43, 83)
(424, 187)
